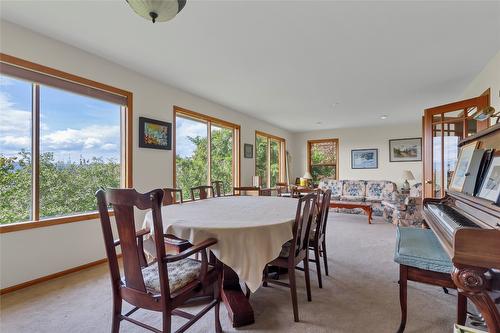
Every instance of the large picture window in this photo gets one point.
(322, 158)
(206, 150)
(269, 159)
(60, 141)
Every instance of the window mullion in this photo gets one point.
(268, 163)
(35, 152)
(209, 152)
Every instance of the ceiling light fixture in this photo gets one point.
(383, 117)
(157, 10)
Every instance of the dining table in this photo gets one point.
(250, 232)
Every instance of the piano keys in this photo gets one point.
(468, 228)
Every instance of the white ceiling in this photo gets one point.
(290, 62)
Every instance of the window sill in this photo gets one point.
(5, 228)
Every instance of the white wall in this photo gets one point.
(361, 138)
(26, 255)
(489, 77)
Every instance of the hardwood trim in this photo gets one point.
(52, 276)
(128, 141)
(6, 228)
(60, 74)
(282, 157)
(198, 116)
(308, 152)
(209, 120)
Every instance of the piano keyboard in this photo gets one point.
(452, 218)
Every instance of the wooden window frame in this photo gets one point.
(281, 160)
(310, 143)
(209, 120)
(87, 87)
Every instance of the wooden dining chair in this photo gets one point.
(266, 192)
(164, 284)
(296, 250)
(203, 192)
(317, 240)
(218, 186)
(246, 190)
(170, 196)
(173, 243)
(282, 188)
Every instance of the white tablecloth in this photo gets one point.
(250, 230)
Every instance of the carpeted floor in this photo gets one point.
(360, 295)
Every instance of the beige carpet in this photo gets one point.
(360, 295)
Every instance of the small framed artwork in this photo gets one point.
(405, 150)
(464, 159)
(364, 158)
(490, 189)
(248, 150)
(155, 134)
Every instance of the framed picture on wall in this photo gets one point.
(155, 134)
(405, 150)
(364, 158)
(248, 150)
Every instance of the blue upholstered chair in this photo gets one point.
(421, 258)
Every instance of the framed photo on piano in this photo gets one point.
(462, 167)
(490, 189)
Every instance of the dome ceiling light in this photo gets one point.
(157, 10)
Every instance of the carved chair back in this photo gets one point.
(246, 190)
(282, 188)
(123, 202)
(322, 216)
(306, 213)
(218, 186)
(170, 196)
(203, 192)
(266, 192)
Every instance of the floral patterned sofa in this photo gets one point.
(405, 210)
(373, 191)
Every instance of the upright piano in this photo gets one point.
(468, 228)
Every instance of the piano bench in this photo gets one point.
(422, 259)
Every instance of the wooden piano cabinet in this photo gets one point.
(474, 283)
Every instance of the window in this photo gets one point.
(269, 159)
(60, 141)
(206, 150)
(322, 158)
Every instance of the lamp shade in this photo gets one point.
(307, 175)
(157, 10)
(408, 175)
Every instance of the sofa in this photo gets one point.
(369, 191)
(405, 210)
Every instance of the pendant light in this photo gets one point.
(157, 10)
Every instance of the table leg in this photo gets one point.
(369, 213)
(238, 306)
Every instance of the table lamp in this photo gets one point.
(307, 177)
(407, 175)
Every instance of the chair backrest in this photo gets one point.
(266, 192)
(203, 192)
(306, 212)
(170, 196)
(218, 186)
(246, 190)
(282, 188)
(123, 202)
(322, 217)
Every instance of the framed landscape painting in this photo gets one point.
(364, 158)
(155, 134)
(405, 150)
(490, 189)
(248, 150)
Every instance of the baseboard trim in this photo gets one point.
(51, 276)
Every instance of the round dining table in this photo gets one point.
(250, 231)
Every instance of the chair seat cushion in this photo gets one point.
(180, 273)
(420, 248)
(285, 249)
